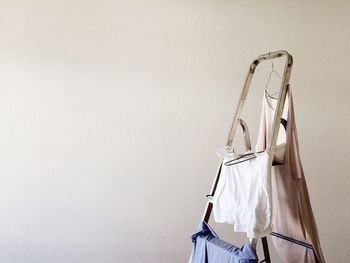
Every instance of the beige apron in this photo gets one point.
(292, 214)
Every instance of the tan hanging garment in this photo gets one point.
(292, 214)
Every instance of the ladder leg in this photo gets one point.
(209, 205)
(266, 250)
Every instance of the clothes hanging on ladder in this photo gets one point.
(292, 214)
(208, 247)
(291, 217)
(242, 197)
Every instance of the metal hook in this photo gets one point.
(272, 65)
(272, 71)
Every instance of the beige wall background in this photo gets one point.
(111, 113)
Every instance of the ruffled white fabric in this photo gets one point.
(242, 196)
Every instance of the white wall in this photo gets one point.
(111, 112)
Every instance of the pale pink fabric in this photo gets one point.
(291, 209)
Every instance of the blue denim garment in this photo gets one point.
(209, 248)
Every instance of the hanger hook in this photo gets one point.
(272, 65)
